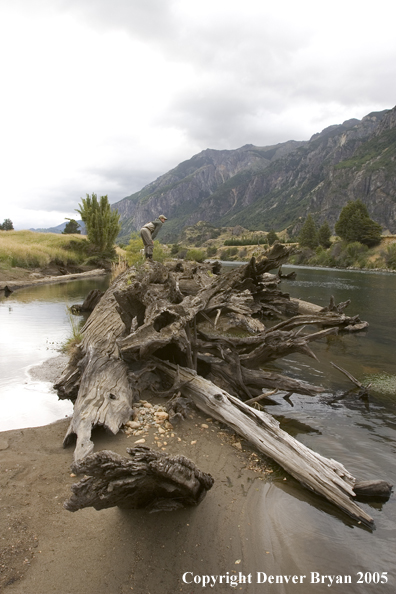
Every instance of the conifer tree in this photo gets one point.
(7, 225)
(355, 224)
(71, 227)
(272, 237)
(308, 235)
(324, 235)
(101, 222)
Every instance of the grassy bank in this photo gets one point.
(351, 255)
(27, 249)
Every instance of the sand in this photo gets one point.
(46, 549)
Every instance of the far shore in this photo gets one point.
(24, 278)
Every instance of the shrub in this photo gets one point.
(195, 255)
(390, 256)
(135, 254)
(211, 251)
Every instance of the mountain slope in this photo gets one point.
(276, 187)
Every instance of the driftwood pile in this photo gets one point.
(170, 320)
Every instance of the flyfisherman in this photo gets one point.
(148, 233)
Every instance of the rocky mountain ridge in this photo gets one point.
(277, 186)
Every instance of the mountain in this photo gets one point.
(60, 228)
(277, 186)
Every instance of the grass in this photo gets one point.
(74, 340)
(28, 249)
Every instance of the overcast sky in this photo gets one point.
(106, 95)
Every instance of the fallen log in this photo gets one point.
(144, 312)
(149, 479)
(321, 475)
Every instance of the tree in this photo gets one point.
(101, 222)
(308, 235)
(324, 235)
(7, 225)
(71, 227)
(355, 224)
(272, 237)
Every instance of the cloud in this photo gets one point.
(105, 96)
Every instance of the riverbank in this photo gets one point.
(20, 278)
(46, 548)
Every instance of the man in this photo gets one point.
(148, 233)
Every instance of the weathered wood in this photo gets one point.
(222, 372)
(151, 480)
(336, 308)
(291, 275)
(89, 303)
(324, 476)
(373, 489)
(98, 376)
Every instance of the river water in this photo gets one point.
(298, 532)
(34, 324)
(302, 533)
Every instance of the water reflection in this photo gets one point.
(34, 325)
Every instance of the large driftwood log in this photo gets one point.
(324, 476)
(149, 479)
(97, 378)
(144, 312)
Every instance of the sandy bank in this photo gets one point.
(46, 549)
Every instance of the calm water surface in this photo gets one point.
(34, 324)
(297, 533)
(298, 529)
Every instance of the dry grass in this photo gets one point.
(119, 267)
(29, 249)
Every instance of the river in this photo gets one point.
(34, 325)
(299, 532)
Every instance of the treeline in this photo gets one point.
(246, 241)
(269, 239)
(357, 235)
(354, 224)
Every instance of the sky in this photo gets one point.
(104, 96)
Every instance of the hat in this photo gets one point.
(163, 217)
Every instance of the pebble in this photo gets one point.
(194, 442)
(161, 415)
(133, 424)
(140, 441)
(160, 430)
(204, 426)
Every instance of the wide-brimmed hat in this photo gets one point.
(163, 217)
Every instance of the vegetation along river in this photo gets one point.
(299, 532)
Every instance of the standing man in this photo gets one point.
(148, 233)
